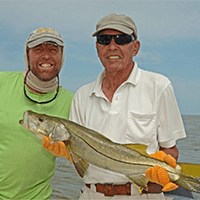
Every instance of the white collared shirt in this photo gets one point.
(143, 110)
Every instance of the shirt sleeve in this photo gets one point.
(170, 124)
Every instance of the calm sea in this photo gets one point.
(66, 183)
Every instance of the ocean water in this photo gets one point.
(67, 184)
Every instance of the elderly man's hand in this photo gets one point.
(58, 149)
(161, 155)
(158, 174)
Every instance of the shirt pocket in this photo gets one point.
(141, 128)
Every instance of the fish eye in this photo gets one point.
(40, 119)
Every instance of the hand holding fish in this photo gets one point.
(57, 149)
(158, 174)
(161, 155)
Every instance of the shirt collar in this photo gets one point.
(134, 76)
(133, 79)
(97, 84)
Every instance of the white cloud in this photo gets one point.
(83, 58)
(153, 57)
(171, 19)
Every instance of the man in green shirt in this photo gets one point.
(25, 166)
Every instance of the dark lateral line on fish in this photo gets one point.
(111, 157)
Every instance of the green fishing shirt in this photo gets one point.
(25, 166)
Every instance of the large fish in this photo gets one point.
(88, 146)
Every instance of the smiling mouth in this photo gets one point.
(113, 57)
(45, 65)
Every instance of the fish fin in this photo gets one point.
(190, 169)
(141, 148)
(80, 165)
(69, 152)
(56, 135)
(189, 183)
(140, 180)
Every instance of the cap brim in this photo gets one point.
(117, 27)
(38, 41)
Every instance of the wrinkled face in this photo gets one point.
(116, 57)
(45, 61)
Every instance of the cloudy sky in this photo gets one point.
(169, 32)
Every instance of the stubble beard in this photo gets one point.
(45, 75)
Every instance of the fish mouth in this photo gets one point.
(29, 125)
(39, 135)
(24, 121)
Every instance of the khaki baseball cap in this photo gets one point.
(42, 35)
(119, 22)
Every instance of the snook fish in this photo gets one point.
(88, 146)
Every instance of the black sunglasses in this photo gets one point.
(119, 39)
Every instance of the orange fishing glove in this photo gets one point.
(158, 174)
(58, 149)
(161, 155)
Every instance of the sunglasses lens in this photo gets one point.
(119, 39)
(123, 39)
(104, 39)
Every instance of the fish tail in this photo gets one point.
(189, 183)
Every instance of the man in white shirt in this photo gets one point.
(127, 105)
